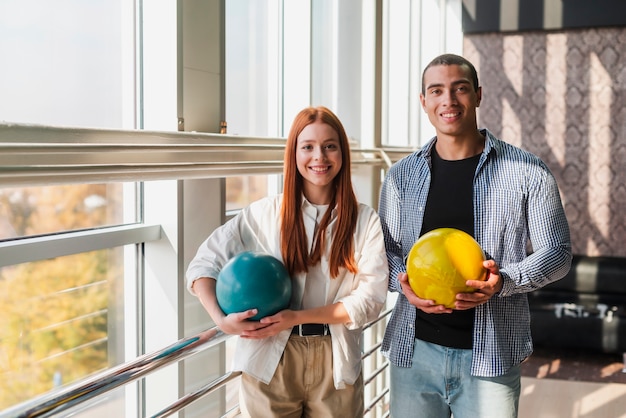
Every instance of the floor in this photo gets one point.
(573, 384)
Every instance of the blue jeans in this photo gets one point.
(439, 384)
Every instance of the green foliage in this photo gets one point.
(55, 313)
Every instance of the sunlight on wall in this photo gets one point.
(600, 144)
(514, 62)
(511, 125)
(556, 107)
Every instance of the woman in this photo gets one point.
(304, 361)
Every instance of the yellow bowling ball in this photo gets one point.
(441, 261)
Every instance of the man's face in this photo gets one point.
(450, 100)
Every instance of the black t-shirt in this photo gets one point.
(449, 205)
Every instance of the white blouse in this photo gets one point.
(257, 228)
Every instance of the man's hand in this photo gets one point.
(426, 305)
(484, 289)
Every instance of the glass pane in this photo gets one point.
(251, 59)
(241, 191)
(65, 63)
(27, 211)
(397, 73)
(252, 89)
(62, 320)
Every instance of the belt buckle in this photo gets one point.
(325, 331)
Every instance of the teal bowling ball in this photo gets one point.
(253, 280)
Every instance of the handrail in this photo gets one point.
(375, 401)
(123, 374)
(194, 396)
(110, 379)
(382, 316)
(220, 381)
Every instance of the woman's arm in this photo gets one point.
(234, 323)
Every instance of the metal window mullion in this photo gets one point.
(50, 246)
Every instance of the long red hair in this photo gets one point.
(293, 240)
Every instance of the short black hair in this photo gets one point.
(452, 59)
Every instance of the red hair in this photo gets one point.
(293, 240)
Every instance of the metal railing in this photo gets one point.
(100, 384)
(35, 155)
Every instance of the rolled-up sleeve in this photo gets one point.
(254, 228)
(369, 287)
(214, 252)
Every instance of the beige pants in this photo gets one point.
(302, 386)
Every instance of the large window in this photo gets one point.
(282, 56)
(415, 32)
(253, 87)
(57, 321)
(64, 63)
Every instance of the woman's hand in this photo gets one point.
(272, 325)
(239, 323)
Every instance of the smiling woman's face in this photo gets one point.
(318, 158)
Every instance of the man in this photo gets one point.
(466, 361)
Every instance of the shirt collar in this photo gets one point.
(309, 209)
(491, 144)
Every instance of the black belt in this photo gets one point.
(310, 330)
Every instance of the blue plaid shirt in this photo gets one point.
(517, 212)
